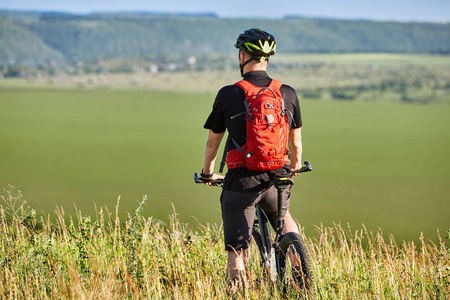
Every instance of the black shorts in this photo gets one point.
(238, 214)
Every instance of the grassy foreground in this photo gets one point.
(105, 257)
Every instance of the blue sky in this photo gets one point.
(396, 10)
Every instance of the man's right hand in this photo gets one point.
(213, 177)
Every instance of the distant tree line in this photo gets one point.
(40, 37)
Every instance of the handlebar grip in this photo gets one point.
(306, 168)
(217, 182)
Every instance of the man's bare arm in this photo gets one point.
(212, 147)
(295, 146)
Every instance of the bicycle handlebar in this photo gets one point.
(219, 182)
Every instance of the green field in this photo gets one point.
(383, 165)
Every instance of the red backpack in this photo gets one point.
(267, 129)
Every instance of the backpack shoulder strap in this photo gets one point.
(225, 151)
(227, 148)
(275, 84)
(244, 84)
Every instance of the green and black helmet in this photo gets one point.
(256, 42)
(259, 44)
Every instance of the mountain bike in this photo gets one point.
(284, 258)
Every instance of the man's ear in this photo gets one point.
(241, 57)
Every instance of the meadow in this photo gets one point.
(382, 165)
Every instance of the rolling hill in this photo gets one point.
(38, 36)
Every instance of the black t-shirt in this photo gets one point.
(230, 102)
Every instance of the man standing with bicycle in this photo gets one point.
(243, 186)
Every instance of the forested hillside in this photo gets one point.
(39, 36)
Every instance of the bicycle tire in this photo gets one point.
(302, 277)
(269, 266)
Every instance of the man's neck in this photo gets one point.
(258, 72)
(257, 66)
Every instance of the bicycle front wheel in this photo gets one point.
(295, 271)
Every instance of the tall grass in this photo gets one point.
(382, 269)
(108, 258)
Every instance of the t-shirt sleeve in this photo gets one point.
(292, 105)
(215, 121)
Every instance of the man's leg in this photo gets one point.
(289, 224)
(269, 204)
(238, 214)
(237, 268)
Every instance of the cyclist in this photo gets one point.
(242, 188)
